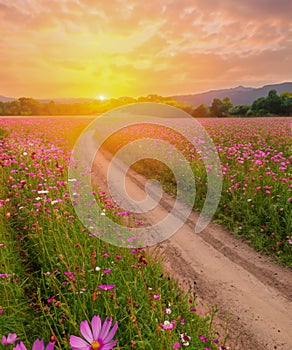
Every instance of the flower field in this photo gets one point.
(255, 156)
(56, 277)
(62, 286)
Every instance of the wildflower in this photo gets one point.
(97, 336)
(106, 286)
(156, 296)
(204, 340)
(11, 339)
(185, 339)
(168, 311)
(70, 275)
(168, 326)
(51, 299)
(176, 345)
(37, 345)
(182, 322)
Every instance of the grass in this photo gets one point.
(54, 272)
(255, 156)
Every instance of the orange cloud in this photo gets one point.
(61, 48)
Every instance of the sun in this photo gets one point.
(101, 98)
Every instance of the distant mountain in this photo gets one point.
(239, 96)
(6, 99)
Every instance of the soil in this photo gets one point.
(252, 293)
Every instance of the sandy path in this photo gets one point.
(223, 271)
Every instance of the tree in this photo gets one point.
(273, 102)
(202, 111)
(11, 108)
(219, 108)
(228, 103)
(240, 110)
(29, 106)
(286, 103)
(259, 106)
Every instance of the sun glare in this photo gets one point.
(101, 97)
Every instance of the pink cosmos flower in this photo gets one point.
(106, 286)
(97, 336)
(167, 326)
(11, 339)
(37, 345)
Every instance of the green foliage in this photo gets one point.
(52, 268)
(202, 111)
(273, 104)
(28, 106)
(240, 110)
(221, 108)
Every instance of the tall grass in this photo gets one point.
(56, 274)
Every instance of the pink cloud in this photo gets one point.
(159, 46)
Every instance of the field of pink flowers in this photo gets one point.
(255, 156)
(61, 287)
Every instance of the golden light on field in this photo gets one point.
(51, 49)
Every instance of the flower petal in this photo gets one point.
(20, 346)
(38, 345)
(78, 343)
(50, 346)
(110, 345)
(111, 333)
(105, 328)
(11, 339)
(96, 326)
(86, 331)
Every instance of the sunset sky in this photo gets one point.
(88, 48)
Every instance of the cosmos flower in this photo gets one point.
(10, 339)
(168, 326)
(98, 336)
(106, 286)
(37, 345)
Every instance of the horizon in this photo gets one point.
(81, 49)
(105, 98)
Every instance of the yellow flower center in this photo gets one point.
(95, 345)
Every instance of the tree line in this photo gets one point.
(273, 104)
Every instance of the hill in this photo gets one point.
(6, 99)
(239, 96)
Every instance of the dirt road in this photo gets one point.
(223, 271)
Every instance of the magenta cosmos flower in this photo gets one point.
(37, 345)
(10, 339)
(97, 336)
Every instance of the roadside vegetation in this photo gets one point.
(59, 282)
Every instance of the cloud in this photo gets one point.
(131, 47)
